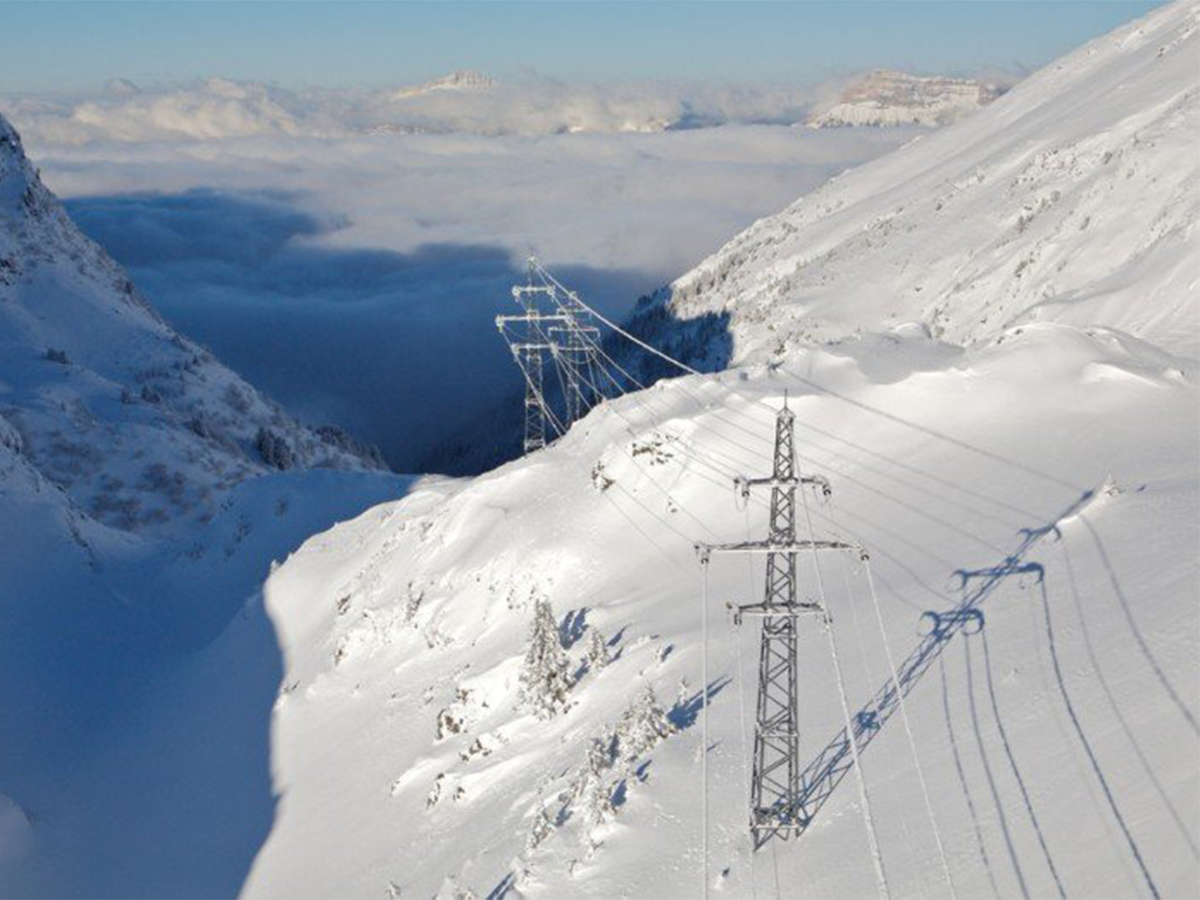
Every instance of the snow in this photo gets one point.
(355, 750)
(353, 725)
(139, 676)
(1070, 199)
(1059, 741)
(144, 428)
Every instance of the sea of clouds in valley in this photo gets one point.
(348, 250)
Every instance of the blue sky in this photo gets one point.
(68, 46)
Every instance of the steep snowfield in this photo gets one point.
(1073, 198)
(141, 426)
(1007, 389)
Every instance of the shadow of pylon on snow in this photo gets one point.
(821, 777)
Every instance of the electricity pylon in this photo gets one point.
(775, 808)
(566, 334)
(528, 352)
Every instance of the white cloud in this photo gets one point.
(534, 105)
(289, 296)
(657, 202)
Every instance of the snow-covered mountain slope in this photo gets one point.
(407, 764)
(1043, 465)
(895, 98)
(1073, 198)
(141, 426)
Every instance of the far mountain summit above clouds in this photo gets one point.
(894, 98)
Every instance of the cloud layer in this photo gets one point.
(398, 347)
(464, 103)
(355, 276)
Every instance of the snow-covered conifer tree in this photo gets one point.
(597, 650)
(545, 678)
(594, 794)
(542, 828)
(644, 724)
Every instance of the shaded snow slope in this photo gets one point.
(1073, 198)
(137, 680)
(141, 505)
(141, 426)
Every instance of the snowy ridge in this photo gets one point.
(1021, 213)
(141, 426)
(895, 98)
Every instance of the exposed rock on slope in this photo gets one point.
(894, 98)
(138, 424)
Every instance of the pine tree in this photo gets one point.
(597, 650)
(595, 795)
(545, 676)
(542, 828)
(643, 725)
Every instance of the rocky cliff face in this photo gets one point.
(894, 98)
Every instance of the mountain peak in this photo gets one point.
(17, 175)
(462, 80)
(887, 97)
(8, 136)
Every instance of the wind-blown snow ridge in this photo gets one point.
(138, 424)
(1073, 198)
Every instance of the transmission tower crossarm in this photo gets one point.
(501, 321)
(745, 484)
(790, 548)
(528, 346)
(771, 610)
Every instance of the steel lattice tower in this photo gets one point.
(774, 785)
(775, 808)
(565, 332)
(535, 413)
(529, 352)
(573, 348)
